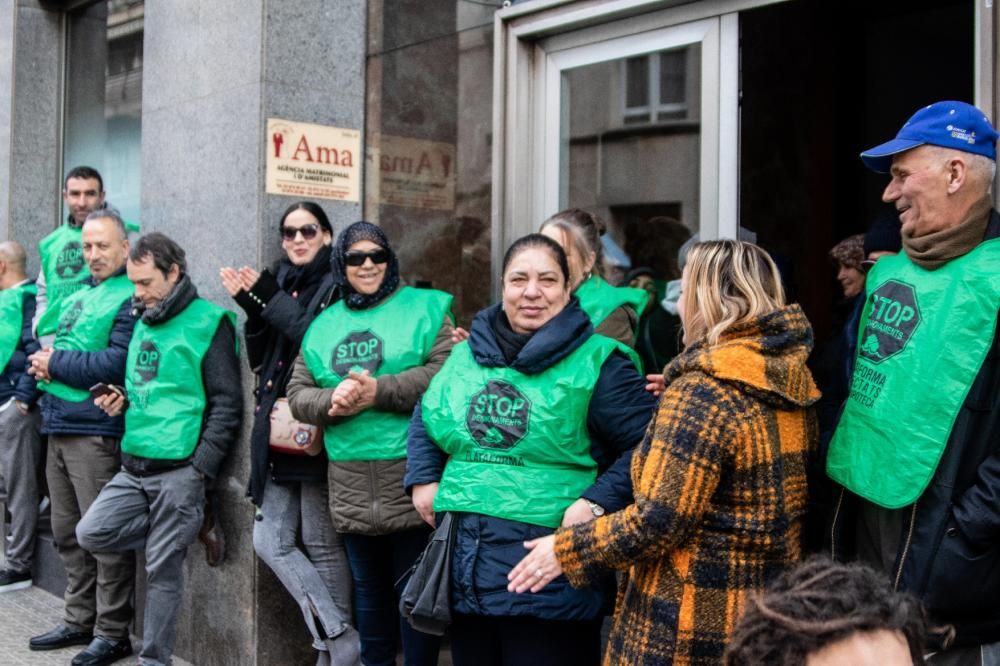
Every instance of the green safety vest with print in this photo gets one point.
(518, 444)
(599, 299)
(64, 269)
(393, 336)
(85, 325)
(163, 381)
(923, 337)
(11, 318)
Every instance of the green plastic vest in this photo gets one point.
(85, 325)
(11, 318)
(518, 444)
(599, 299)
(61, 254)
(922, 340)
(395, 335)
(164, 384)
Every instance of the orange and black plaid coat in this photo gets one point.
(720, 495)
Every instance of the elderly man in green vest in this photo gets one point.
(63, 268)
(917, 447)
(183, 404)
(90, 347)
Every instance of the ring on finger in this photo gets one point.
(540, 573)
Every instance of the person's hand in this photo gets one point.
(230, 280)
(40, 364)
(366, 387)
(459, 334)
(343, 398)
(113, 404)
(22, 407)
(538, 568)
(656, 384)
(248, 277)
(423, 501)
(577, 512)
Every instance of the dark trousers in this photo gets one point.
(377, 563)
(481, 640)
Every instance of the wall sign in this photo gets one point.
(313, 161)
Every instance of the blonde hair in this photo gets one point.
(728, 282)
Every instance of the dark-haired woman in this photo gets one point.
(529, 426)
(614, 311)
(290, 490)
(365, 362)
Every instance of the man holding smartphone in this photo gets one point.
(182, 415)
(90, 347)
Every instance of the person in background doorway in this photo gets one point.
(290, 491)
(658, 338)
(613, 311)
(847, 256)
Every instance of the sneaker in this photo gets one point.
(11, 580)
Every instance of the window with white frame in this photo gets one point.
(656, 87)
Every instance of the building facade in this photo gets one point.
(476, 119)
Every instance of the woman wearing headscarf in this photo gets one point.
(719, 479)
(365, 362)
(290, 491)
(529, 426)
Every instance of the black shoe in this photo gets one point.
(60, 637)
(11, 580)
(103, 651)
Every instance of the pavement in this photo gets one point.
(25, 613)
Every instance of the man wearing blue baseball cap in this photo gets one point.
(917, 447)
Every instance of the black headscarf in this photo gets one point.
(360, 231)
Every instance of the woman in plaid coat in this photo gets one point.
(720, 478)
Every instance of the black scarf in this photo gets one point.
(294, 279)
(357, 232)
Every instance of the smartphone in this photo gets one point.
(101, 389)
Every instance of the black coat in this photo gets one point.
(15, 382)
(949, 550)
(273, 335)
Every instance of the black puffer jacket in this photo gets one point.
(949, 550)
(280, 307)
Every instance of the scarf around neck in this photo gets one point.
(934, 250)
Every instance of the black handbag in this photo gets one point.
(425, 601)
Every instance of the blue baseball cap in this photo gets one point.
(947, 124)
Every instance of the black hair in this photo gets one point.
(84, 173)
(537, 241)
(312, 208)
(163, 250)
(818, 603)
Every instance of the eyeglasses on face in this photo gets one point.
(308, 232)
(357, 258)
(867, 264)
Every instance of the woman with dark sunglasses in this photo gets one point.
(364, 364)
(290, 491)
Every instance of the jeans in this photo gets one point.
(319, 579)
(377, 563)
(160, 513)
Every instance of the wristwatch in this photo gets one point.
(595, 508)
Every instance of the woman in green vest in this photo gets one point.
(530, 425)
(365, 362)
(614, 311)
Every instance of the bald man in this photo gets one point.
(20, 442)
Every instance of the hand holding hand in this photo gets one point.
(538, 568)
(423, 501)
(40, 364)
(656, 384)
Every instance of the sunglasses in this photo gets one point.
(356, 258)
(308, 232)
